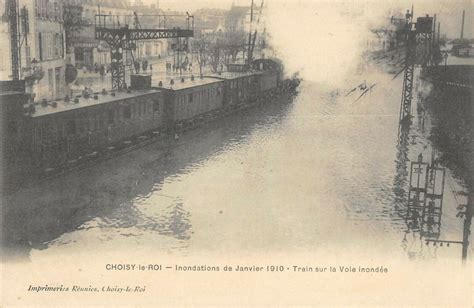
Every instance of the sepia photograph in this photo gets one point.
(244, 153)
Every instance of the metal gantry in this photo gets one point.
(427, 180)
(407, 94)
(433, 205)
(122, 39)
(466, 212)
(415, 33)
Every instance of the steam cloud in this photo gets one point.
(324, 41)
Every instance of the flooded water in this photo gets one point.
(324, 172)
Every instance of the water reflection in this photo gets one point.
(419, 187)
(122, 199)
(401, 175)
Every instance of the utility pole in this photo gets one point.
(14, 38)
(467, 226)
(433, 41)
(250, 34)
(439, 31)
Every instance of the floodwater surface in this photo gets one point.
(323, 172)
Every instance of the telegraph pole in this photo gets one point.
(250, 34)
(433, 40)
(467, 226)
(12, 7)
(439, 31)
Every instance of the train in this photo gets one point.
(42, 138)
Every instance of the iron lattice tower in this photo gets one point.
(407, 91)
(418, 51)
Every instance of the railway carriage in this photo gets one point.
(191, 97)
(64, 129)
(239, 86)
(57, 133)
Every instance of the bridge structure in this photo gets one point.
(122, 39)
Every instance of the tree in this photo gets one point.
(73, 22)
(209, 50)
(233, 43)
(200, 47)
(218, 48)
(215, 53)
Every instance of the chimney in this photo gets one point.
(462, 25)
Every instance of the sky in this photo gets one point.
(449, 11)
(323, 40)
(192, 5)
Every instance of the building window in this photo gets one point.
(51, 45)
(51, 80)
(56, 11)
(71, 127)
(49, 10)
(28, 55)
(190, 97)
(12, 127)
(135, 109)
(56, 45)
(57, 74)
(127, 112)
(110, 117)
(156, 106)
(61, 45)
(40, 46)
(44, 9)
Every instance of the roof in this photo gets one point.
(178, 85)
(233, 75)
(63, 106)
(269, 64)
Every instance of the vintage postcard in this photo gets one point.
(236, 153)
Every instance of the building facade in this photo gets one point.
(41, 48)
(88, 52)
